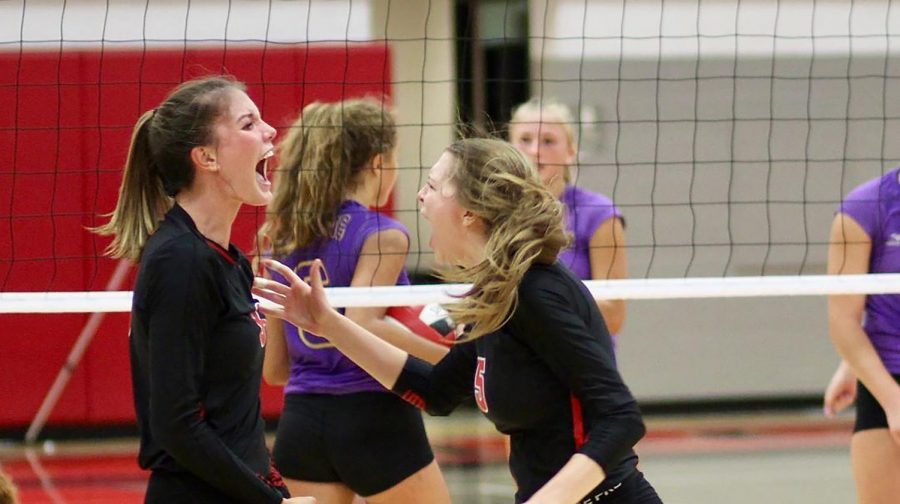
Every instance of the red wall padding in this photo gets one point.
(64, 132)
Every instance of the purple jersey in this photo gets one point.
(316, 366)
(585, 212)
(875, 206)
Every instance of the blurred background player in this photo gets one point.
(544, 132)
(865, 330)
(341, 431)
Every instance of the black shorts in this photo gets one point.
(369, 441)
(634, 489)
(869, 414)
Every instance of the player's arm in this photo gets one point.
(381, 260)
(437, 388)
(608, 262)
(849, 253)
(277, 362)
(841, 390)
(579, 476)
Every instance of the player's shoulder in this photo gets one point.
(591, 208)
(387, 240)
(582, 196)
(543, 278)
(376, 228)
(178, 250)
(875, 189)
(381, 222)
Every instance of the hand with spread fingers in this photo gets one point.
(302, 304)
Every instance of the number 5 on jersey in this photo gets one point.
(480, 397)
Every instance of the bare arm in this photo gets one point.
(841, 390)
(277, 363)
(608, 262)
(381, 261)
(848, 253)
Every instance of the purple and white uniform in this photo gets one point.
(585, 212)
(875, 206)
(316, 366)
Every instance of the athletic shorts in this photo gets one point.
(634, 489)
(369, 441)
(185, 488)
(869, 414)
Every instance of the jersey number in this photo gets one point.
(480, 398)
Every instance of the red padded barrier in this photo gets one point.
(64, 132)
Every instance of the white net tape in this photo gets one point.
(644, 288)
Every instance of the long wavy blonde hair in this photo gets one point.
(524, 223)
(326, 149)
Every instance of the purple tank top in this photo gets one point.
(585, 212)
(316, 366)
(875, 206)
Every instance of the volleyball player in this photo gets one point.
(341, 431)
(538, 358)
(543, 131)
(865, 236)
(196, 339)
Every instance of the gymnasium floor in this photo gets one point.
(794, 457)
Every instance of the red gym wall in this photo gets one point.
(64, 130)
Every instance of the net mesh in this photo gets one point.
(726, 131)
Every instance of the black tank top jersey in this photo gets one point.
(547, 378)
(197, 346)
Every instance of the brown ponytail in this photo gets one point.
(159, 164)
(142, 199)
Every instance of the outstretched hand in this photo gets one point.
(302, 304)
